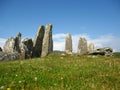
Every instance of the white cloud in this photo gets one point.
(2, 42)
(102, 41)
(59, 41)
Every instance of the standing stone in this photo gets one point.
(9, 46)
(91, 48)
(82, 46)
(47, 45)
(37, 44)
(29, 44)
(0, 49)
(23, 50)
(14, 47)
(17, 42)
(68, 44)
(9, 52)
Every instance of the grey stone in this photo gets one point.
(23, 50)
(0, 49)
(5, 56)
(14, 46)
(68, 44)
(91, 48)
(17, 42)
(29, 44)
(9, 46)
(106, 51)
(82, 46)
(47, 45)
(37, 44)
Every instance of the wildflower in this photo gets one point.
(16, 75)
(61, 78)
(2, 87)
(21, 62)
(20, 81)
(35, 79)
(55, 84)
(8, 89)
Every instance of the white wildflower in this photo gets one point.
(2, 87)
(20, 81)
(61, 78)
(35, 78)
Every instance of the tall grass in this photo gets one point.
(56, 72)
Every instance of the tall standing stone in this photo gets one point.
(37, 43)
(0, 49)
(14, 47)
(29, 43)
(68, 44)
(9, 46)
(82, 46)
(17, 42)
(47, 45)
(91, 48)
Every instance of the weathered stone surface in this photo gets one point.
(37, 44)
(91, 48)
(103, 51)
(47, 45)
(17, 42)
(29, 44)
(14, 48)
(68, 44)
(8, 56)
(82, 46)
(0, 49)
(9, 46)
(23, 51)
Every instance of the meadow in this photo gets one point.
(61, 72)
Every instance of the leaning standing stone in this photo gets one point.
(37, 43)
(47, 45)
(9, 46)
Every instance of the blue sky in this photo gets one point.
(97, 20)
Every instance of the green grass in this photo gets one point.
(56, 72)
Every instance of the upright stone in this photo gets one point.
(23, 50)
(9, 52)
(37, 43)
(0, 49)
(91, 48)
(82, 46)
(47, 45)
(29, 44)
(9, 46)
(68, 44)
(17, 42)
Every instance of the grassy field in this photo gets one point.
(56, 72)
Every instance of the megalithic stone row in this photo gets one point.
(68, 44)
(47, 45)
(91, 48)
(37, 43)
(82, 46)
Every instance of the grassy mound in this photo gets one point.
(56, 72)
